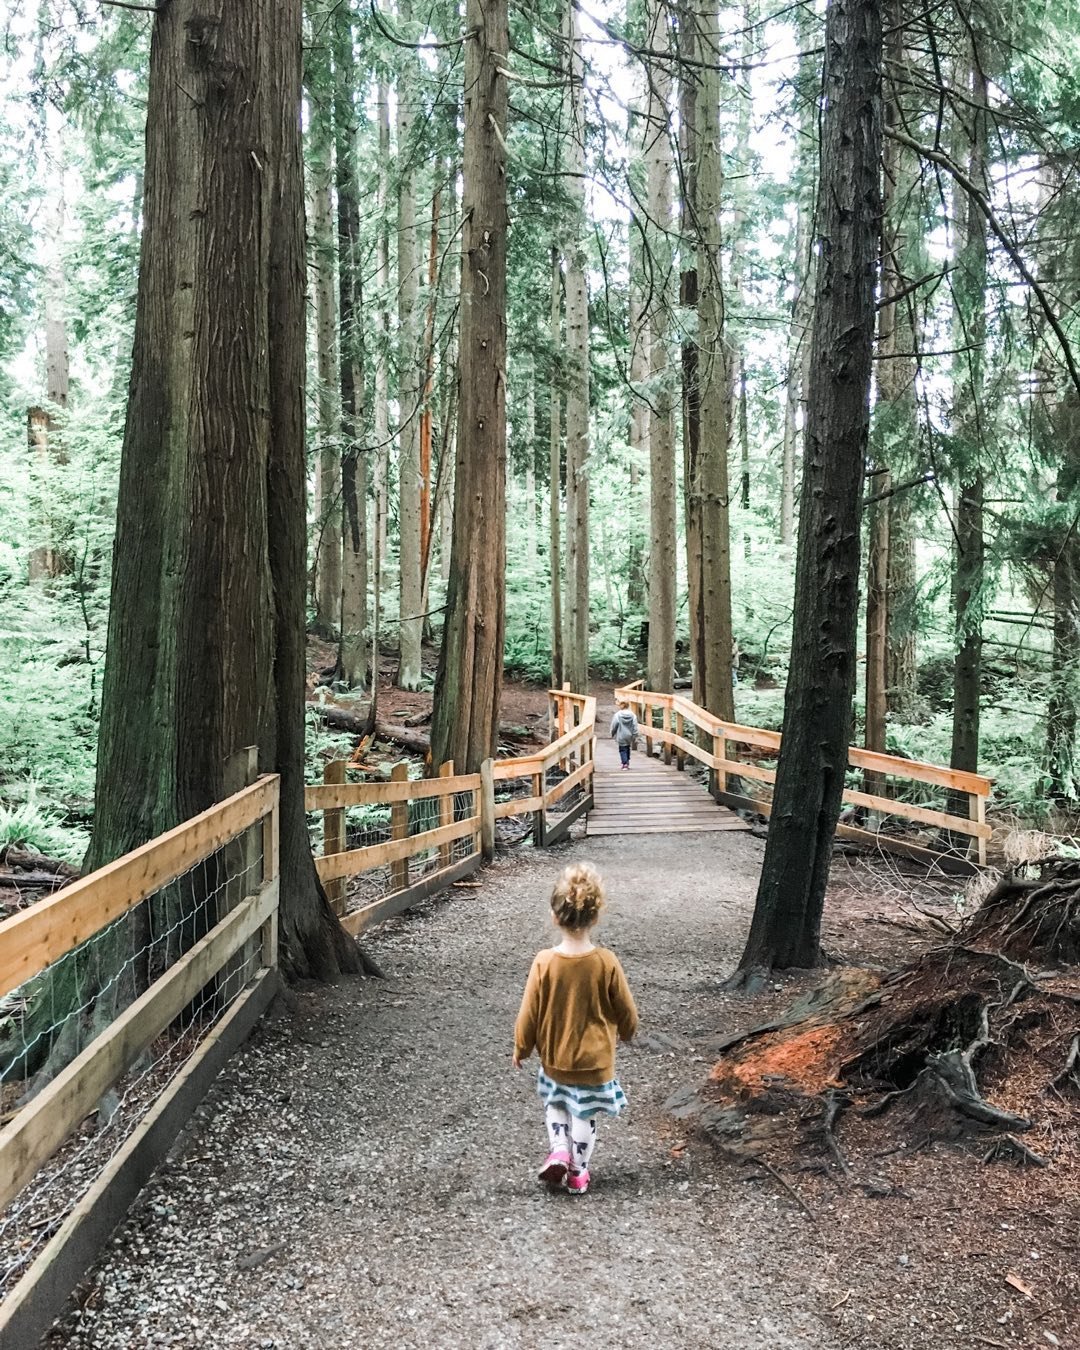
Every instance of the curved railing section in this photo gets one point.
(741, 764)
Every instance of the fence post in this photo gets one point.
(563, 720)
(646, 718)
(977, 812)
(680, 757)
(399, 828)
(539, 819)
(446, 814)
(719, 775)
(333, 833)
(487, 808)
(666, 722)
(271, 835)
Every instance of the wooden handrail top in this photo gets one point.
(325, 796)
(36, 937)
(894, 766)
(570, 697)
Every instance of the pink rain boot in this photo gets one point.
(556, 1167)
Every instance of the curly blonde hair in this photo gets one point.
(578, 897)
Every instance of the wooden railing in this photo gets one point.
(164, 1047)
(428, 833)
(729, 751)
(572, 750)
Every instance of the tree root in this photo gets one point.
(758, 1161)
(1010, 1144)
(834, 1104)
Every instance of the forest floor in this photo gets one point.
(363, 1173)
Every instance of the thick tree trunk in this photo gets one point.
(663, 564)
(969, 288)
(382, 335)
(555, 474)
(206, 629)
(639, 427)
(689, 152)
(530, 469)
(409, 387)
(466, 706)
(353, 650)
(817, 707)
(877, 627)
(44, 428)
(715, 385)
(328, 460)
(890, 581)
(576, 653)
(427, 408)
(902, 655)
(1063, 709)
(798, 355)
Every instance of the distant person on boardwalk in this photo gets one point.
(576, 1000)
(624, 730)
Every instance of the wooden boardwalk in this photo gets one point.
(650, 797)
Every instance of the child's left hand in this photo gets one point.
(515, 1061)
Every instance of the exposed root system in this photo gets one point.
(976, 1042)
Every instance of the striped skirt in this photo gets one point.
(582, 1101)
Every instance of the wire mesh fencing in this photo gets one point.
(116, 1002)
(380, 839)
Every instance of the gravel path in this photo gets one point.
(363, 1173)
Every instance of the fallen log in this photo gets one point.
(37, 880)
(29, 861)
(361, 723)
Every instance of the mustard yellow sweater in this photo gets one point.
(571, 1010)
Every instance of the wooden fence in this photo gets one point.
(217, 989)
(428, 833)
(729, 751)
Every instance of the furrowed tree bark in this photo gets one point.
(894, 431)
(382, 334)
(411, 604)
(639, 409)
(663, 564)
(1063, 707)
(715, 384)
(530, 469)
(1058, 428)
(206, 630)
(690, 247)
(353, 651)
(465, 719)
(45, 429)
(969, 289)
(786, 927)
(555, 473)
(328, 460)
(807, 92)
(427, 409)
(576, 651)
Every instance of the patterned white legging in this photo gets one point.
(577, 1137)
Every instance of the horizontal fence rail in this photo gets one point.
(120, 999)
(388, 844)
(733, 754)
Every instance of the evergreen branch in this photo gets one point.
(900, 487)
(980, 199)
(380, 24)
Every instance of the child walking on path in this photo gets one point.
(576, 1000)
(624, 729)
